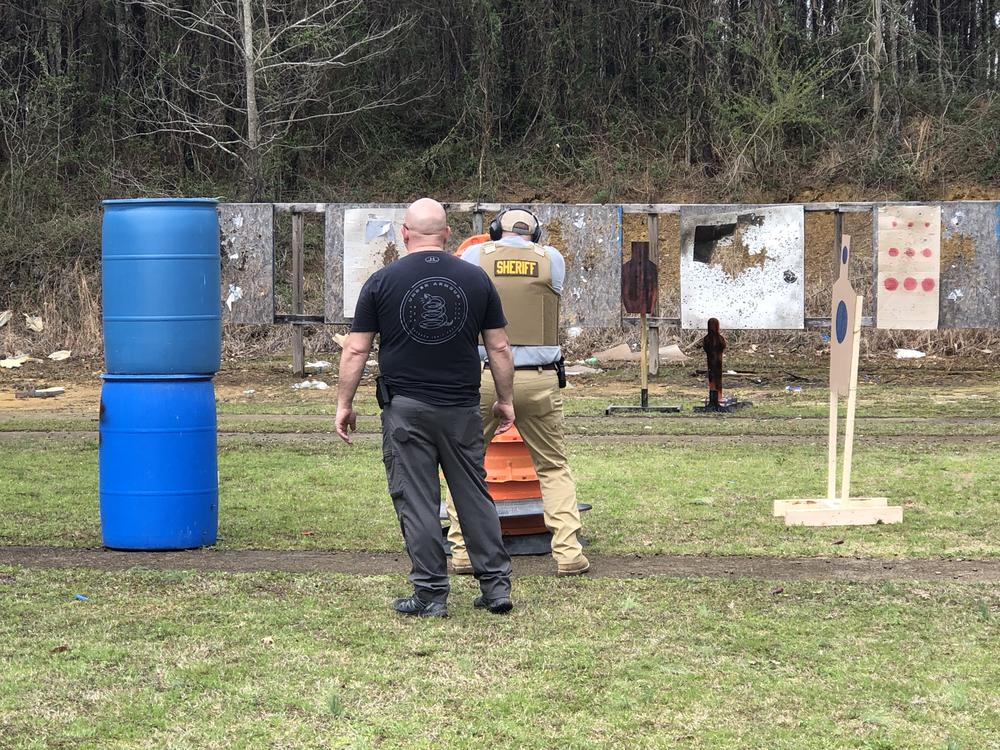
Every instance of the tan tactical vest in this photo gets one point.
(523, 277)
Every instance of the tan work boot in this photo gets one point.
(578, 567)
(461, 568)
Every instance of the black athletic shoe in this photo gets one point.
(498, 606)
(420, 608)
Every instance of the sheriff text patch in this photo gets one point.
(515, 268)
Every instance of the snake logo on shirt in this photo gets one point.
(434, 310)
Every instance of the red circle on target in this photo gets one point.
(910, 252)
(910, 224)
(927, 252)
(893, 252)
(891, 284)
(909, 283)
(928, 285)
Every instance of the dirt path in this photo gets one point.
(603, 566)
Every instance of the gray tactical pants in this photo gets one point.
(417, 438)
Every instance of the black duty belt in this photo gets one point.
(549, 366)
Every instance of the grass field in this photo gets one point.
(265, 660)
(646, 498)
(308, 661)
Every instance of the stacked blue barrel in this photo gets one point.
(159, 485)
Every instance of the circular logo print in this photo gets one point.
(434, 310)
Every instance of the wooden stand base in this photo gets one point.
(639, 409)
(857, 511)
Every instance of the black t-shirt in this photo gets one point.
(429, 309)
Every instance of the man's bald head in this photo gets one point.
(425, 225)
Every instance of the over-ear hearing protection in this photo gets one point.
(495, 228)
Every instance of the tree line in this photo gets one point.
(273, 99)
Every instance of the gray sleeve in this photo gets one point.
(558, 268)
(471, 254)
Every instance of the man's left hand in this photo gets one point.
(346, 419)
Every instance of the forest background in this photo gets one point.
(493, 100)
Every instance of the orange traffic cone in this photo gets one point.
(510, 477)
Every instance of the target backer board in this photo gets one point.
(909, 267)
(373, 238)
(970, 265)
(743, 265)
(843, 321)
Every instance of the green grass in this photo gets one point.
(742, 424)
(182, 660)
(647, 498)
(874, 400)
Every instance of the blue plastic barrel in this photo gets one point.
(160, 261)
(159, 483)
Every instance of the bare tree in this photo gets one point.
(244, 73)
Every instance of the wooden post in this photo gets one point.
(831, 463)
(653, 332)
(838, 240)
(644, 363)
(852, 402)
(298, 301)
(477, 222)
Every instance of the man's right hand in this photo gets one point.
(505, 413)
(346, 420)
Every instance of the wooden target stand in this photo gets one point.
(640, 290)
(845, 350)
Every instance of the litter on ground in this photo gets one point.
(40, 392)
(317, 385)
(12, 363)
(620, 353)
(672, 354)
(582, 370)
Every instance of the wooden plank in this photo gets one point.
(781, 507)
(675, 208)
(247, 247)
(970, 265)
(644, 359)
(651, 208)
(333, 264)
(844, 516)
(653, 330)
(831, 456)
(298, 297)
(300, 208)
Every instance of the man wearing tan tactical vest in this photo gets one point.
(529, 278)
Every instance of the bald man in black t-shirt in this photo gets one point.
(430, 309)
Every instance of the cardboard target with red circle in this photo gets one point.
(844, 323)
(909, 267)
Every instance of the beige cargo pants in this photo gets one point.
(538, 408)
